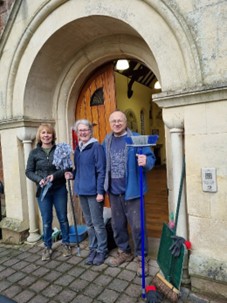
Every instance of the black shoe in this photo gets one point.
(99, 258)
(90, 258)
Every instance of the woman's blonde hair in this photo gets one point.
(50, 129)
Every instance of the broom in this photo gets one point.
(162, 284)
(140, 142)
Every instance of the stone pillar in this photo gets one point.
(27, 135)
(176, 135)
(173, 119)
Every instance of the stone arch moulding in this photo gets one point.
(155, 12)
(69, 87)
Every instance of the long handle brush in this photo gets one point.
(74, 219)
(163, 283)
(140, 142)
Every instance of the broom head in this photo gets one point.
(166, 288)
(140, 141)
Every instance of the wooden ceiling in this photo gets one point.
(137, 72)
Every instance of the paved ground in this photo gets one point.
(25, 278)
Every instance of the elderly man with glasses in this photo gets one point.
(123, 186)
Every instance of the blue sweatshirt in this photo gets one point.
(90, 165)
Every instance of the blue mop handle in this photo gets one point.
(142, 227)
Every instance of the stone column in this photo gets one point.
(176, 135)
(27, 135)
(173, 119)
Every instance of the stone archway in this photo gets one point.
(63, 47)
(54, 57)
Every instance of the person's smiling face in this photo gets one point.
(84, 133)
(46, 137)
(118, 123)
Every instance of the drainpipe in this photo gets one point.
(27, 135)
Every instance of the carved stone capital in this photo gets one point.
(26, 133)
(173, 118)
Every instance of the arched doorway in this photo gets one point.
(98, 98)
(43, 82)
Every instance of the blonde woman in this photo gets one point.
(40, 169)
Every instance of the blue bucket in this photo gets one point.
(82, 233)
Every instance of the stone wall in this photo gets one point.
(5, 7)
(53, 47)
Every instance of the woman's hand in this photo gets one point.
(68, 175)
(50, 178)
(99, 198)
(44, 181)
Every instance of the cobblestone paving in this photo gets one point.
(25, 278)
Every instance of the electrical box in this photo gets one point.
(209, 180)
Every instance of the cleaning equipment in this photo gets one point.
(74, 219)
(139, 142)
(4, 299)
(45, 189)
(62, 160)
(152, 295)
(171, 255)
(82, 233)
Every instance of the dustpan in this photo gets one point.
(171, 267)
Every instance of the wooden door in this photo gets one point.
(97, 100)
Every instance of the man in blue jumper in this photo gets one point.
(123, 186)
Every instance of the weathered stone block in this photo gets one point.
(13, 231)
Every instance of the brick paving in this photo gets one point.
(24, 277)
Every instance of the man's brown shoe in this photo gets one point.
(139, 266)
(120, 258)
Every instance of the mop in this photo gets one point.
(139, 142)
(62, 160)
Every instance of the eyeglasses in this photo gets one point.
(117, 121)
(83, 130)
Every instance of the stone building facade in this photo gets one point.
(48, 50)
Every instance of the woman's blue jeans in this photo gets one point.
(93, 215)
(58, 199)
